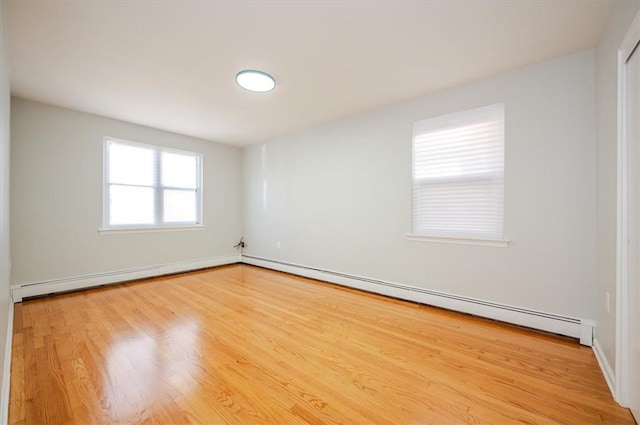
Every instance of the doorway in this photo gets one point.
(628, 296)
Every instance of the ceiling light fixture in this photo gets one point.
(256, 81)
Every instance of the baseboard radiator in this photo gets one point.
(549, 322)
(34, 289)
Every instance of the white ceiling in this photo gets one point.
(171, 64)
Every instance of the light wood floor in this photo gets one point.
(240, 344)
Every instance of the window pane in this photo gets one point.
(130, 205)
(459, 208)
(179, 170)
(180, 206)
(464, 150)
(130, 165)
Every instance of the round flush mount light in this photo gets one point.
(256, 81)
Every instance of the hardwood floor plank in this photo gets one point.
(241, 344)
(17, 379)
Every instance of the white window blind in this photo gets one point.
(458, 174)
(150, 186)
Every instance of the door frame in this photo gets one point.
(621, 395)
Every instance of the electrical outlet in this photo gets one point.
(278, 245)
(607, 301)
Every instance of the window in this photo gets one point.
(458, 175)
(148, 186)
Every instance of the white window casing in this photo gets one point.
(150, 187)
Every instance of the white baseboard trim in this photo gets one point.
(605, 367)
(21, 291)
(6, 369)
(549, 322)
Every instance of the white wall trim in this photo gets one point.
(502, 243)
(6, 369)
(621, 393)
(33, 289)
(126, 230)
(563, 325)
(605, 367)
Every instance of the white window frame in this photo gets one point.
(158, 225)
(452, 238)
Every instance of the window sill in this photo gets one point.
(126, 230)
(501, 243)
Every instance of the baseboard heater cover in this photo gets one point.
(34, 289)
(549, 322)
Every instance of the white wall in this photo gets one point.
(56, 197)
(606, 170)
(338, 197)
(5, 254)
